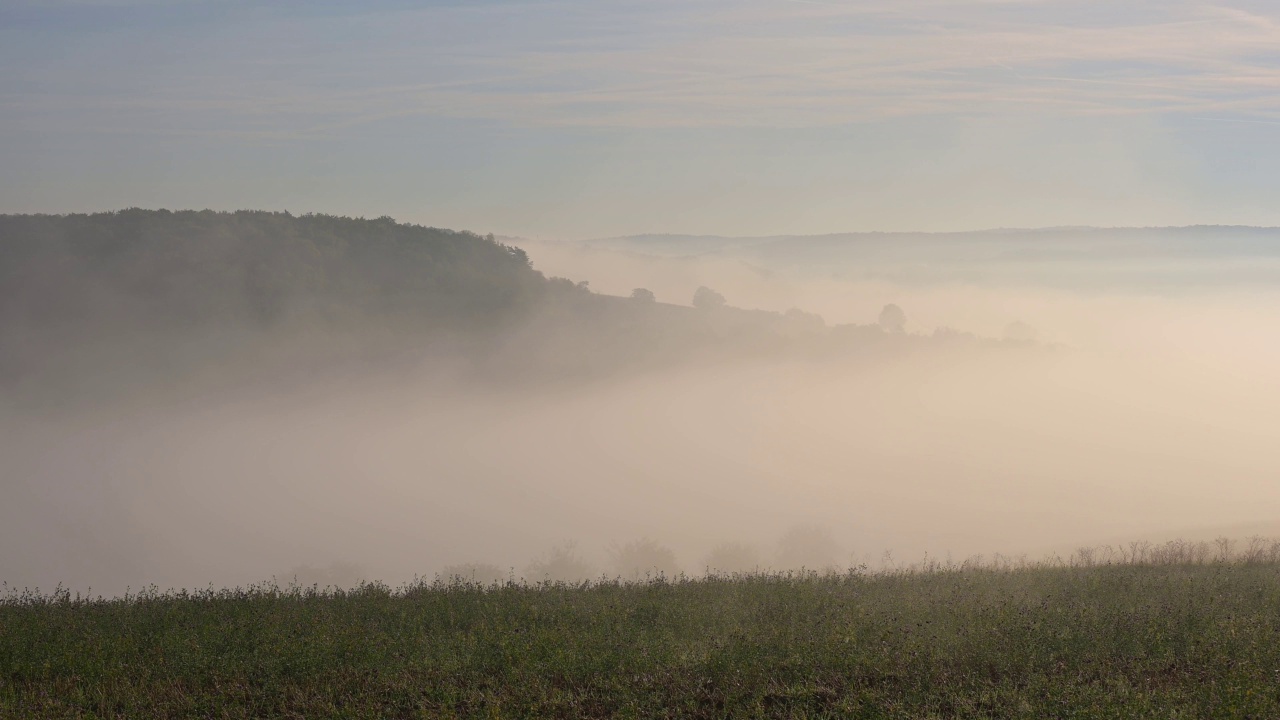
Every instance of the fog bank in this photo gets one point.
(1143, 415)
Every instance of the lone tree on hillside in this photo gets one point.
(707, 299)
(892, 319)
(643, 295)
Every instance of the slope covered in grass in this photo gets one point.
(1109, 641)
(124, 303)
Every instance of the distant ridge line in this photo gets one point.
(940, 233)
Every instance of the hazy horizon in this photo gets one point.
(928, 346)
(581, 119)
(959, 276)
(1028, 408)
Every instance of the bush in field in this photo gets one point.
(643, 295)
(643, 559)
(562, 564)
(733, 558)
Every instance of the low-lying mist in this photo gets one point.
(1142, 415)
(947, 452)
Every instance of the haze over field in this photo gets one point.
(1112, 414)
(195, 397)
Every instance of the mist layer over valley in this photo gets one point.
(394, 401)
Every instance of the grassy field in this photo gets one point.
(1136, 640)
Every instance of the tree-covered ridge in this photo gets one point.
(126, 299)
(197, 266)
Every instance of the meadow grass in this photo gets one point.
(1189, 640)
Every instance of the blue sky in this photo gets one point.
(574, 118)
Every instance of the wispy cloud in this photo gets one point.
(663, 63)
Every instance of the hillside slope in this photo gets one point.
(135, 297)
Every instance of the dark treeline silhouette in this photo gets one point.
(154, 293)
(158, 292)
(202, 267)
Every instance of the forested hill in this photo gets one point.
(130, 301)
(114, 302)
(161, 267)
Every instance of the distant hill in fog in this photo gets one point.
(1000, 243)
(160, 267)
(152, 294)
(1066, 256)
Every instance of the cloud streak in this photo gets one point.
(776, 63)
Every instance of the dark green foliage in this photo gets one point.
(126, 302)
(1108, 641)
(159, 267)
(122, 304)
(143, 297)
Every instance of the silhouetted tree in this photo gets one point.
(893, 319)
(704, 298)
(517, 253)
(643, 295)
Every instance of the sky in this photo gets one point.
(587, 118)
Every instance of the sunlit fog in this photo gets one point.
(639, 358)
(1011, 411)
(338, 292)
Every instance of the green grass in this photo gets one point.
(1191, 641)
